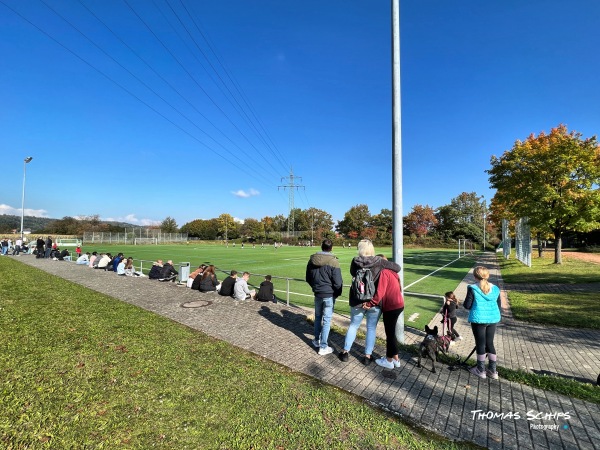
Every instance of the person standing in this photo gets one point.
(17, 248)
(366, 259)
(389, 296)
(449, 314)
(48, 244)
(324, 276)
(39, 247)
(483, 301)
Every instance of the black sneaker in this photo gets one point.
(366, 361)
(344, 356)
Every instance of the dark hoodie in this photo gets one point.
(324, 275)
(376, 264)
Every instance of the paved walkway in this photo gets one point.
(566, 352)
(445, 402)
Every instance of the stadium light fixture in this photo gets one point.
(25, 162)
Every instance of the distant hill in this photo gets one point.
(37, 224)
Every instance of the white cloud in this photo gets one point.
(243, 194)
(6, 209)
(130, 218)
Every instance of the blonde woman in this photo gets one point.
(366, 259)
(483, 299)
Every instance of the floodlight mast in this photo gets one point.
(397, 239)
(25, 162)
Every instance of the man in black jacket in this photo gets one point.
(156, 269)
(168, 272)
(228, 284)
(325, 278)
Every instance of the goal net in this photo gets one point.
(145, 241)
(67, 242)
(465, 247)
(523, 241)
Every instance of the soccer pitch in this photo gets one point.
(287, 266)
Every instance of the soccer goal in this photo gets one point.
(68, 242)
(145, 241)
(465, 247)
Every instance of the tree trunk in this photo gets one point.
(557, 247)
(539, 242)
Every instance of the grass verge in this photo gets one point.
(576, 310)
(544, 271)
(82, 370)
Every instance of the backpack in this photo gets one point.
(363, 287)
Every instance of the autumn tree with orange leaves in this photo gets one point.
(420, 221)
(553, 179)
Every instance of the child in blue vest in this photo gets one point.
(483, 301)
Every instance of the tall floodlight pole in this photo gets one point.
(484, 211)
(25, 162)
(397, 157)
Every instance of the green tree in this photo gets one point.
(228, 228)
(462, 218)
(168, 225)
(202, 229)
(552, 179)
(383, 223)
(252, 229)
(355, 221)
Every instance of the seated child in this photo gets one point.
(265, 291)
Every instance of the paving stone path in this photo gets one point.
(496, 414)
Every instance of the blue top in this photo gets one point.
(485, 308)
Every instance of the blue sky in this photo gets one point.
(137, 125)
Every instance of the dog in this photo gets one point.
(431, 345)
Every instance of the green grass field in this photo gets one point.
(287, 265)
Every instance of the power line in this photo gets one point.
(196, 82)
(119, 85)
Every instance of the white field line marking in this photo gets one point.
(413, 317)
(426, 276)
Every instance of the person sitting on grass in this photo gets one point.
(240, 290)
(168, 272)
(265, 291)
(154, 273)
(227, 285)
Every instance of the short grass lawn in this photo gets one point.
(79, 369)
(578, 310)
(543, 270)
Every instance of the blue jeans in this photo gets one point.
(356, 316)
(323, 313)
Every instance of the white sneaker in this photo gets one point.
(316, 343)
(459, 338)
(396, 362)
(383, 362)
(325, 351)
